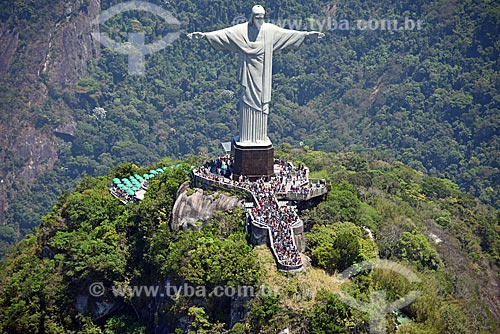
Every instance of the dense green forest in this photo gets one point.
(89, 237)
(428, 97)
(420, 109)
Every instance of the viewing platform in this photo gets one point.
(131, 189)
(272, 216)
(268, 222)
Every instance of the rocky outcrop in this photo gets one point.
(50, 54)
(193, 207)
(30, 153)
(54, 48)
(71, 45)
(10, 41)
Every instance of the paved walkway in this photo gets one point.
(267, 211)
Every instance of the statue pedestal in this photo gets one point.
(252, 160)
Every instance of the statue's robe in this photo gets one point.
(256, 58)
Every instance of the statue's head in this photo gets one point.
(257, 18)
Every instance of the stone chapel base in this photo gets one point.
(252, 160)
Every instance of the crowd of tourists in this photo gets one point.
(222, 166)
(279, 219)
(122, 194)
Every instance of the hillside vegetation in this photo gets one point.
(428, 97)
(449, 239)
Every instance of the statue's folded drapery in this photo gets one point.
(255, 49)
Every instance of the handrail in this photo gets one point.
(217, 181)
(299, 196)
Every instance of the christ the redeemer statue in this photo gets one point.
(255, 42)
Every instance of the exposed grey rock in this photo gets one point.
(81, 303)
(239, 309)
(85, 304)
(54, 53)
(66, 130)
(194, 207)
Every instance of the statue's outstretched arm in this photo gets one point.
(316, 33)
(196, 35)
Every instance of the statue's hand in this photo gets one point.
(317, 34)
(195, 35)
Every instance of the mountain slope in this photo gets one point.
(428, 97)
(448, 239)
(46, 48)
